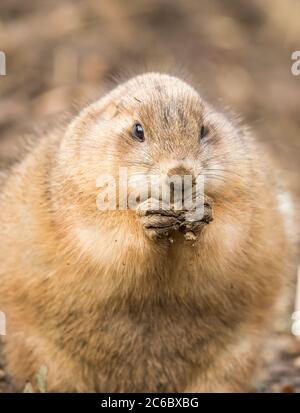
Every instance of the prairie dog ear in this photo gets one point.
(102, 110)
(109, 111)
(109, 106)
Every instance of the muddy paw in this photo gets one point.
(191, 227)
(158, 226)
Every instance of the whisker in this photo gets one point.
(219, 178)
(224, 170)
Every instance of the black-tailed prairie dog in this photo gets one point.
(139, 301)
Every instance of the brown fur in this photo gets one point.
(105, 307)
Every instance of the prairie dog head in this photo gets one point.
(154, 125)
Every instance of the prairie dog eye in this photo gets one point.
(138, 132)
(203, 132)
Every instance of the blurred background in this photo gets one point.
(63, 53)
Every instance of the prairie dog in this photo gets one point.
(104, 299)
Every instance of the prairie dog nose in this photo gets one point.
(179, 182)
(180, 171)
(182, 174)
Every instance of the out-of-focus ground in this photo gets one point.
(61, 53)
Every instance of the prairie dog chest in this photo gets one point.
(143, 350)
(151, 354)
